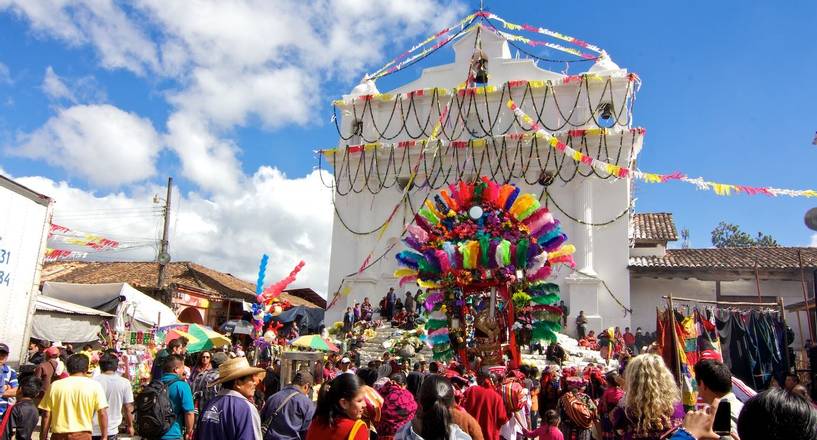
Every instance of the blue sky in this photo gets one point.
(727, 95)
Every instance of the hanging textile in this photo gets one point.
(674, 350)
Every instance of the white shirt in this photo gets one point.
(118, 391)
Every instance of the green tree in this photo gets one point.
(729, 235)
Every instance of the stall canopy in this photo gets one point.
(58, 320)
(120, 299)
(309, 319)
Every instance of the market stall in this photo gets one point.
(132, 308)
(58, 320)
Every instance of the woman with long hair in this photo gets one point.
(433, 419)
(340, 406)
(204, 364)
(652, 402)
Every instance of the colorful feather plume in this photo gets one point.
(409, 259)
(418, 233)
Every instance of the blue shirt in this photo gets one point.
(229, 416)
(182, 399)
(8, 379)
(292, 419)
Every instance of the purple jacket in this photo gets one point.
(229, 416)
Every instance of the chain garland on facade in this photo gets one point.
(502, 159)
(475, 102)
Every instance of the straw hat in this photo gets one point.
(234, 369)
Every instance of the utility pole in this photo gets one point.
(164, 257)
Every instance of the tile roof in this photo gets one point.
(768, 258)
(654, 226)
(143, 275)
(309, 295)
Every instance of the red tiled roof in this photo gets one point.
(654, 226)
(767, 258)
(143, 275)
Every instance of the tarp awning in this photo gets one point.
(49, 304)
(58, 320)
(118, 298)
(308, 318)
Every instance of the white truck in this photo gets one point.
(25, 220)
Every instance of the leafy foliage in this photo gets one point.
(727, 235)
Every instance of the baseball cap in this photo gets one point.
(345, 360)
(219, 358)
(4, 348)
(52, 351)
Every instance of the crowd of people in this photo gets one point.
(400, 313)
(384, 400)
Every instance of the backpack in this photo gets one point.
(154, 410)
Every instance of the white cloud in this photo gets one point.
(100, 143)
(208, 161)
(813, 240)
(5, 74)
(55, 88)
(119, 41)
(226, 233)
(223, 64)
(228, 98)
(236, 61)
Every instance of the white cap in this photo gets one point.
(345, 361)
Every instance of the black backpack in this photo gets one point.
(154, 410)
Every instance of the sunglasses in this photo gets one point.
(206, 357)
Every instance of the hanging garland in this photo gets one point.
(721, 189)
(513, 156)
(421, 106)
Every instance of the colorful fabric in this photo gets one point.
(512, 395)
(398, 409)
(578, 410)
(341, 429)
(608, 402)
(486, 405)
(624, 422)
(374, 404)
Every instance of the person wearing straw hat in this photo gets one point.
(232, 414)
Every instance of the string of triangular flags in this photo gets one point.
(62, 234)
(446, 35)
(721, 189)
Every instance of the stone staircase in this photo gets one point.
(373, 349)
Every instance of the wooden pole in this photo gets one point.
(805, 295)
(800, 328)
(757, 284)
(785, 333)
(723, 303)
(676, 357)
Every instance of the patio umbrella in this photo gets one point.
(238, 327)
(207, 338)
(177, 333)
(315, 342)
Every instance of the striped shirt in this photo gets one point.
(8, 379)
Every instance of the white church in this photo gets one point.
(624, 263)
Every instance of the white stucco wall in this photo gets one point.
(366, 212)
(646, 296)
